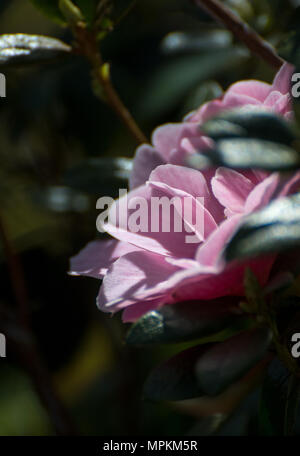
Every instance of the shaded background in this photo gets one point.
(167, 58)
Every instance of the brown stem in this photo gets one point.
(20, 335)
(88, 46)
(241, 30)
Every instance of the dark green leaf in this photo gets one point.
(51, 9)
(62, 199)
(275, 228)
(170, 84)
(273, 399)
(178, 42)
(100, 175)
(184, 321)
(207, 91)
(22, 49)
(228, 361)
(239, 153)
(175, 379)
(252, 123)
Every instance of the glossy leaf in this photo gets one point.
(275, 228)
(178, 42)
(98, 175)
(279, 407)
(230, 360)
(175, 379)
(184, 321)
(176, 78)
(252, 123)
(242, 153)
(22, 49)
(62, 199)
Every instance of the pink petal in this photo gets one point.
(207, 111)
(262, 193)
(144, 240)
(167, 138)
(211, 251)
(164, 243)
(133, 277)
(251, 88)
(233, 100)
(229, 282)
(282, 81)
(188, 216)
(231, 189)
(146, 159)
(97, 257)
(291, 185)
(283, 105)
(189, 180)
(272, 98)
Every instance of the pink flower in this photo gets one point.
(145, 270)
(172, 143)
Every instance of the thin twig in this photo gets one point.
(19, 333)
(241, 30)
(87, 45)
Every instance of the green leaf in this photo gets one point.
(184, 321)
(204, 92)
(71, 12)
(239, 153)
(167, 87)
(175, 379)
(278, 405)
(275, 228)
(51, 9)
(22, 49)
(253, 123)
(99, 175)
(249, 139)
(185, 42)
(207, 369)
(61, 199)
(228, 361)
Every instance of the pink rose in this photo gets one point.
(145, 270)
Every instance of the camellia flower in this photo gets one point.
(145, 270)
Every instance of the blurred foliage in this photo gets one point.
(167, 58)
